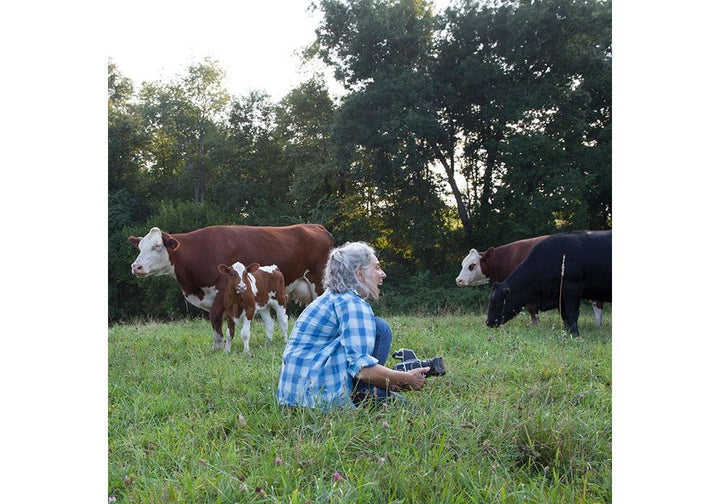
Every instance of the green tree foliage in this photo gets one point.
(185, 119)
(255, 183)
(386, 128)
(304, 121)
(511, 75)
(464, 84)
(472, 127)
(127, 142)
(559, 154)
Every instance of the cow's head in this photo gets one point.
(235, 274)
(154, 258)
(501, 306)
(471, 272)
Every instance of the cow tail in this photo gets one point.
(562, 278)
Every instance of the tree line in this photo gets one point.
(482, 124)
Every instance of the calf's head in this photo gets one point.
(501, 306)
(235, 273)
(154, 257)
(472, 271)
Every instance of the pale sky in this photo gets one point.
(256, 42)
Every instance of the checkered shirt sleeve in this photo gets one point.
(331, 341)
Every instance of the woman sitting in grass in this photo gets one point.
(335, 352)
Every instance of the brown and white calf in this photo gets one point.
(241, 293)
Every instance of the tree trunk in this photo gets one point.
(200, 176)
(462, 210)
(492, 147)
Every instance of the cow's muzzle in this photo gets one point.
(138, 270)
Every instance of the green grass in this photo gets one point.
(522, 415)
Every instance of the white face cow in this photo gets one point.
(153, 258)
(471, 273)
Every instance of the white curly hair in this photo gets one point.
(342, 265)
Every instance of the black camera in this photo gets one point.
(410, 361)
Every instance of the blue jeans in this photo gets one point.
(381, 351)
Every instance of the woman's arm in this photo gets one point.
(380, 376)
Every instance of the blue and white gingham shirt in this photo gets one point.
(332, 340)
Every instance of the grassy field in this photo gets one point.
(522, 415)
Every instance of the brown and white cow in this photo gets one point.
(242, 292)
(300, 251)
(495, 265)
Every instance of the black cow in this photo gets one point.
(562, 269)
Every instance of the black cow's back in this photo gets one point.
(598, 266)
(586, 257)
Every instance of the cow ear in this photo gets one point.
(253, 268)
(506, 292)
(488, 253)
(170, 242)
(223, 269)
(135, 241)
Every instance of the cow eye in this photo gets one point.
(472, 267)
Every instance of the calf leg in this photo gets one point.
(230, 334)
(282, 318)
(216, 320)
(268, 321)
(219, 340)
(245, 333)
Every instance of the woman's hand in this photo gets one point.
(415, 379)
(381, 376)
